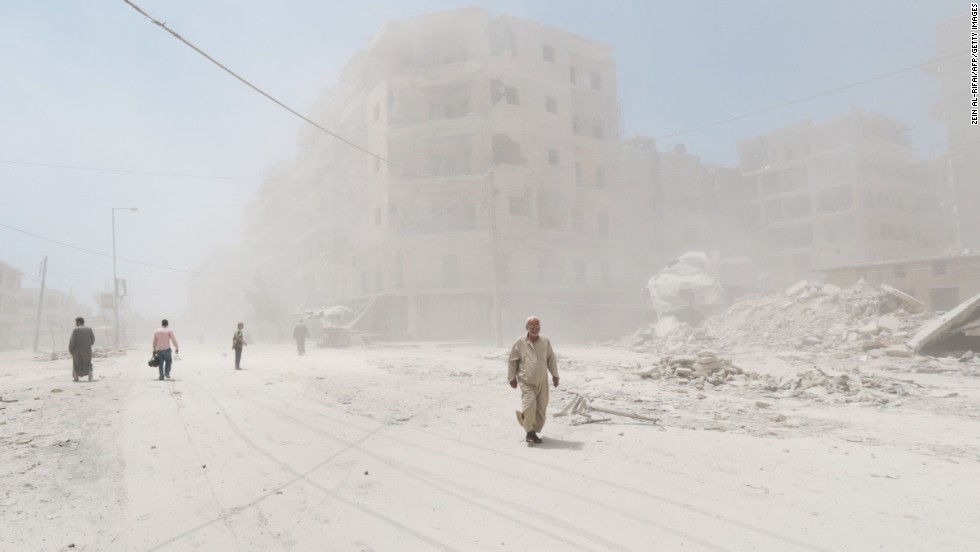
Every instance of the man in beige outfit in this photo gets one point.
(531, 358)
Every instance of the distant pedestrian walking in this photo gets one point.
(531, 359)
(162, 338)
(300, 333)
(237, 342)
(80, 347)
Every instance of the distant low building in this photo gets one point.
(57, 319)
(18, 314)
(9, 305)
(940, 282)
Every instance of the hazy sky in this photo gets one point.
(94, 84)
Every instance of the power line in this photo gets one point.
(380, 158)
(271, 98)
(812, 96)
(99, 253)
(124, 171)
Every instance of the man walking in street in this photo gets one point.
(237, 343)
(300, 333)
(531, 359)
(80, 347)
(162, 338)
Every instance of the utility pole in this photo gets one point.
(115, 286)
(492, 203)
(40, 301)
(115, 280)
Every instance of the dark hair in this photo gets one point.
(164, 323)
(79, 320)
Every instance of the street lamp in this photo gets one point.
(115, 280)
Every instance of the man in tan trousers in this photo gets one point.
(531, 358)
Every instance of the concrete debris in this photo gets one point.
(948, 324)
(907, 302)
(702, 368)
(686, 289)
(97, 352)
(797, 288)
(809, 384)
(581, 406)
(807, 317)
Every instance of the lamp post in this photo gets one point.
(115, 280)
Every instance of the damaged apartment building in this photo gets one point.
(489, 186)
(839, 193)
(679, 204)
(956, 110)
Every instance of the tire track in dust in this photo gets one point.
(413, 472)
(179, 404)
(303, 477)
(430, 478)
(665, 500)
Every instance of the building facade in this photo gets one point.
(837, 193)
(958, 111)
(19, 314)
(678, 204)
(487, 186)
(941, 282)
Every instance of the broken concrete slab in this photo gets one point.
(830, 289)
(870, 328)
(947, 324)
(898, 351)
(911, 304)
(797, 287)
(889, 323)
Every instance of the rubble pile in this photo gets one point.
(841, 387)
(707, 370)
(706, 367)
(808, 316)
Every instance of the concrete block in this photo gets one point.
(889, 323)
(797, 287)
(830, 289)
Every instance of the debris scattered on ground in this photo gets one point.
(97, 352)
(581, 406)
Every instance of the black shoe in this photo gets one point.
(532, 437)
(160, 378)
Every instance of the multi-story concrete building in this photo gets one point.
(486, 184)
(679, 204)
(959, 111)
(837, 193)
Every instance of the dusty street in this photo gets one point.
(415, 447)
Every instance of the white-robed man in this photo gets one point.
(531, 360)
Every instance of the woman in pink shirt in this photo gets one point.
(161, 348)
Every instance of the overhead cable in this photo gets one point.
(271, 98)
(812, 96)
(31, 234)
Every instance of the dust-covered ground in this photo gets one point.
(416, 447)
